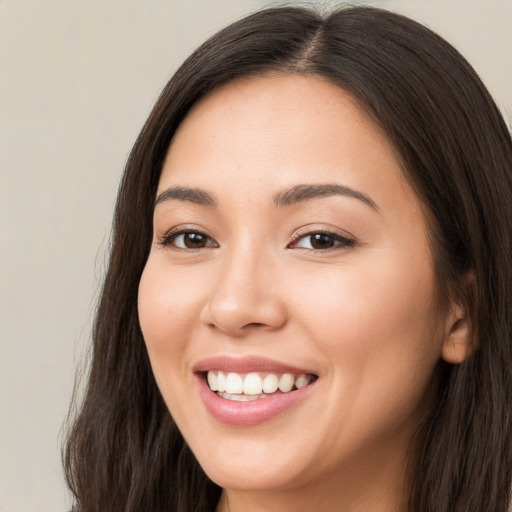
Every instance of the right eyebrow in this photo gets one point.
(193, 195)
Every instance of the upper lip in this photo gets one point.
(246, 364)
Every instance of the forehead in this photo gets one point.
(304, 106)
(282, 130)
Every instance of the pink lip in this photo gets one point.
(245, 365)
(244, 414)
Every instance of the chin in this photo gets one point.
(252, 477)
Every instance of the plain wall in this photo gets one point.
(77, 79)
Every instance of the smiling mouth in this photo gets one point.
(246, 387)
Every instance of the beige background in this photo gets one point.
(77, 79)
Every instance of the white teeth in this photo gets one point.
(234, 383)
(234, 386)
(270, 383)
(253, 385)
(301, 381)
(221, 381)
(212, 381)
(286, 382)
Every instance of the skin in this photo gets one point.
(363, 316)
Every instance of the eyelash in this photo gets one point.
(340, 242)
(168, 239)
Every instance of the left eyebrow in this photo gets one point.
(301, 193)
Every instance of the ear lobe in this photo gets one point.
(458, 341)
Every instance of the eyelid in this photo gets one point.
(166, 239)
(341, 236)
(312, 229)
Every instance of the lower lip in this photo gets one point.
(245, 414)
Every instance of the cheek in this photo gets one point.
(375, 317)
(375, 329)
(168, 313)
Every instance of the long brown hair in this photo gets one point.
(124, 452)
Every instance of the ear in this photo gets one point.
(459, 340)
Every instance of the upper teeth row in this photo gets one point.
(253, 384)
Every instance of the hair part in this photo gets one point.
(124, 452)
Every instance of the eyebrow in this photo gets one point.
(301, 193)
(193, 195)
(294, 195)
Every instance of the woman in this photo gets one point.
(308, 300)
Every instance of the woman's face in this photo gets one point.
(290, 251)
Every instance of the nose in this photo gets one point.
(245, 296)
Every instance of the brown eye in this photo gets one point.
(190, 240)
(322, 241)
(194, 240)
